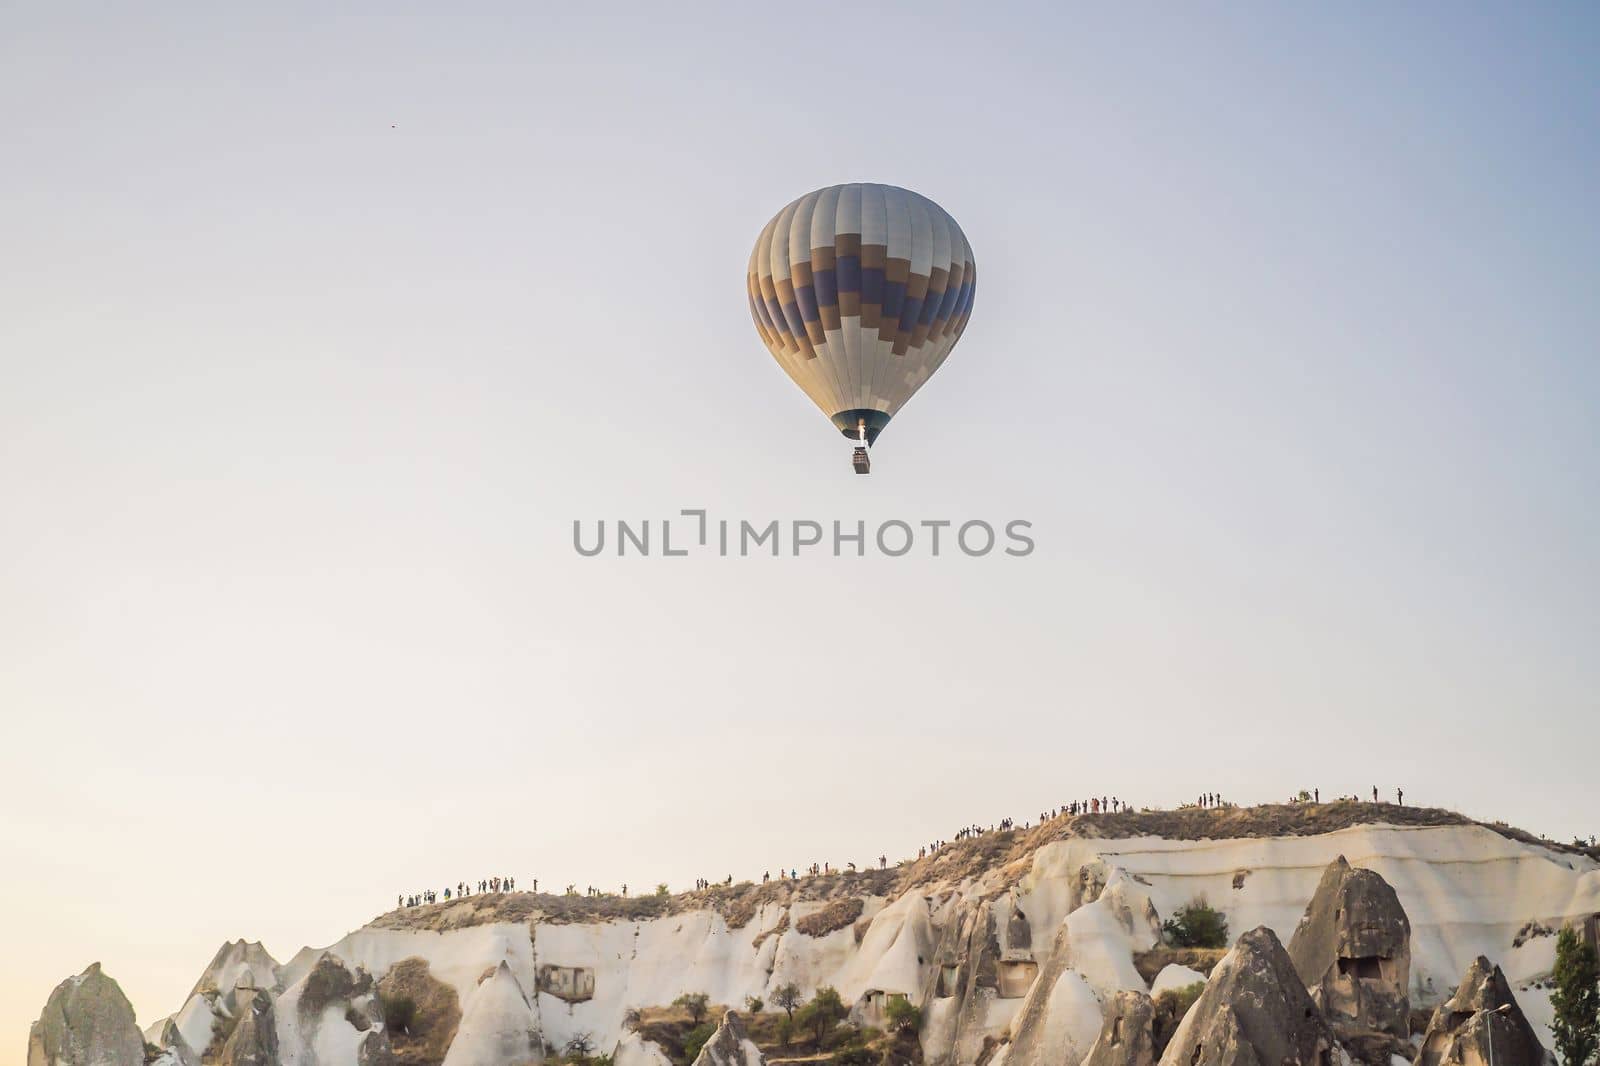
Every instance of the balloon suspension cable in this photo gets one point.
(859, 458)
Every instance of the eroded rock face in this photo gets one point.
(1086, 962)
(243, 965)
(87, 1021)
(499, 1026)
(254, 1040)
(1254, 1012)
(1352, 949)
(965, 983)
(426, 1039)
(730, 1045)
(1480, 1020)
(331, 1017)
(1125, 1038)
(175, 1050)
(635, 1050)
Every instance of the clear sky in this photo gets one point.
(318, 331)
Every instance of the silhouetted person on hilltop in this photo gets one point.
(1374, 793)
(1400, 797)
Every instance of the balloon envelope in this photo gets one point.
(860, 291)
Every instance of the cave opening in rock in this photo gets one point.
(1016, 978)
(1365, 968)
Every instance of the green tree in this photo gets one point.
(663, 890)
(695, 1004)
(695, 1039)
(901, 1016)
(824, 1012)
(1197, 925)
(754, 1004)
(787, 997)
(1575, 1000)
(1170, 1007)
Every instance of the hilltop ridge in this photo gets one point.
(1008, 851)
(1014, 946)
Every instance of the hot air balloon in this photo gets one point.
(860, 291)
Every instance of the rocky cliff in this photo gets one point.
(1014, 945)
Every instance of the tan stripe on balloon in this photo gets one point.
(847, 244)
(873, 256)
(897, 269)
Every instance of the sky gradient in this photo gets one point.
(318, 331)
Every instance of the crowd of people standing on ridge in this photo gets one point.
(462, 890)
(572, 890)
(1315, 796)
(1074, 808)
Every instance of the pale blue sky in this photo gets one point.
(317, 332)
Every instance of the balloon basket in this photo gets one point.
(861, 462)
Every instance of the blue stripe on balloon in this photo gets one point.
(759, 313)
(796, 324)
(967, 288)
(806, 297)
(947, 306)
(827, 286)
(849, 273)
(930, 308)
(775, 312)
(912, 312)
(871, 285)
(894, 296)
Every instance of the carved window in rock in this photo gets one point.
(1365, 968)
(1016, 978)
(949, 981)
(573, 984)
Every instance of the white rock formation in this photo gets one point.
(1023, 956)
(499, 1026)
(730, 1046)
(330, 1017)
(635, 1050)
